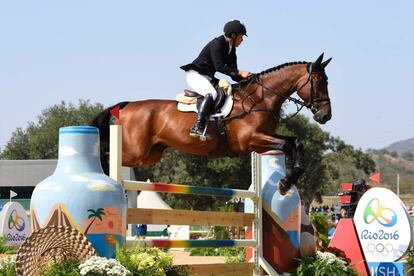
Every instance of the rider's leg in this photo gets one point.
(203, 111)
(202, 85)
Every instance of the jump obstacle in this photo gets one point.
(196, 218)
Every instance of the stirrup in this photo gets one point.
(204, 137)
(195, 132)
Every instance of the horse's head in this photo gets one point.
(314, 90)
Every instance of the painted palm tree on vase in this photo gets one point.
(98, 213)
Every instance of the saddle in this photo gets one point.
(190, 100)
(191, 97)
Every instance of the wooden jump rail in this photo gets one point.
(187, 217)
(207, 218)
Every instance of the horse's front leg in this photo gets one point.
(293, 151)
(294, 155)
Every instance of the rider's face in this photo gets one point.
(238, 40)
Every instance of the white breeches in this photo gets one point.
(200, 83)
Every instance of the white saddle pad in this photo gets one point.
(224, 111)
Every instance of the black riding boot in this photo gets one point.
(203, 111)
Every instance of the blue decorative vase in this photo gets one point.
(80, 195)
(281, 215)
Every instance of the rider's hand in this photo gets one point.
(245, 74)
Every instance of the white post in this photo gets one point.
(398, 184)
(115, 159)
(115, 153)
(257, 206)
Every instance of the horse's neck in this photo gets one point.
(280, 85)
(284, 81)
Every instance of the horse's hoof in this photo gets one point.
(284, 187)
(298, 170)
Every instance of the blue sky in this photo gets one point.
(111, 51)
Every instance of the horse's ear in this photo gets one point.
(319, 60)
(325, 63)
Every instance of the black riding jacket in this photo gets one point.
(216, 56)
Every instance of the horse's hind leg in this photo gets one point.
(151, 157)
(154, 155)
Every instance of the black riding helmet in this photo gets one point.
(234, 26)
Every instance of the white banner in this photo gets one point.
(14, 224)
(383, 225)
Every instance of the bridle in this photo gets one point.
(314, 96)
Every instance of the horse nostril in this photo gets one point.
(326, 117)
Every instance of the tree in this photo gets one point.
(98, 213)
(40, 139)
(328, 160)
(394, 154)
(181, 168)
(352, 162)
(407, 155)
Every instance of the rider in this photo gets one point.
(219, 55)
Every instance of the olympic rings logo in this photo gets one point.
(16, 222)
(375, 211)
(380, 249)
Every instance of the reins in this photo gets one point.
(314, 97)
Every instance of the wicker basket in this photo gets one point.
(60, 242)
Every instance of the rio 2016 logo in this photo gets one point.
(15, 221)
(374, 211)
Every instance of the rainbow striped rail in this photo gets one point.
(197, 218)
(166, 243)
(186, 189)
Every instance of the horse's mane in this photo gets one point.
(273, 69)
(281, 66)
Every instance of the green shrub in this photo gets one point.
(231, 254)
(321, 222)
(7, 266)
(234, 254)
(62, 268)
(410, 259)
(5, 249)
(204, 251)
(324, 263)
(149, 261)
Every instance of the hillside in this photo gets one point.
(390, 166)
(402, 146)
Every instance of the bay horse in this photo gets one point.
(151, 126)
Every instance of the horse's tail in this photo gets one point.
(102, 122)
